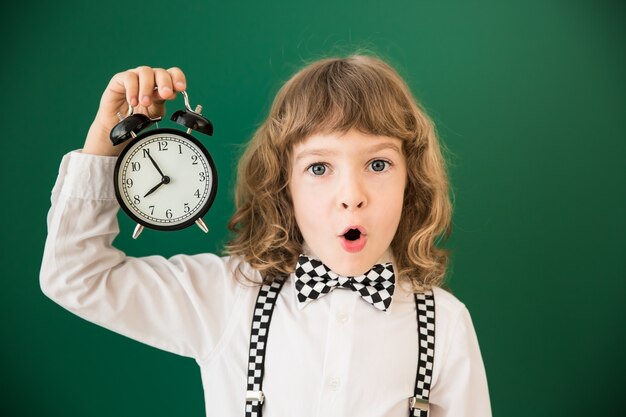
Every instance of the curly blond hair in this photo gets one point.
(334, 95)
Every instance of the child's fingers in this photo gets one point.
(125, 84)
(146, 84)
(178, 79)
(163, 90)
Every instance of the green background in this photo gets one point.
(528, 96)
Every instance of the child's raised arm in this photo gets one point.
(144, 88)
(181, 304)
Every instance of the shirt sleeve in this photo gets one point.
(181, 304)
(461, 390)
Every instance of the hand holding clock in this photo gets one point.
(191, 191)
(144, 88)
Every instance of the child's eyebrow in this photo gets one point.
(325, 152)
(312, 152)
(385, 145)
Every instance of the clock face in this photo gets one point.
(165, 179)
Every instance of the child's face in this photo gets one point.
(354, 181)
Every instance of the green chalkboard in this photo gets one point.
(528, 98)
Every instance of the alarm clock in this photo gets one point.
(165, 179)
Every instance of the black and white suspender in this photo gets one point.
(425, 306)
(266, 299)
(261, 317)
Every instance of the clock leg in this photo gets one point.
(202, 226)
(138, 230)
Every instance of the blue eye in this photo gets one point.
(379, 165)
(317, 169)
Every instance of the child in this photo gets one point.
(340, 197)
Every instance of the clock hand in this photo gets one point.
(153, 189)
(164, 180)
(155, 165)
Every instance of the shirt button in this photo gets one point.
(334, 382)
(342, 317)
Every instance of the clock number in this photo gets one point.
(202, 176)
(194, 158)
(168, 213)
(186, 209)
(146, 152)
(162, 146)
(151, 210)
(197, 193)
(136, 199)
(180, 149)
(129, 182)
(136, 166)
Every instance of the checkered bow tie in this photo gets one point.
(314, 279)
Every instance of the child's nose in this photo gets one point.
(352, 195)
(352, 206)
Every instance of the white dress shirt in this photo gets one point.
(337, 356)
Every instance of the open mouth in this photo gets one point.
(353, 239)
(352, 235)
